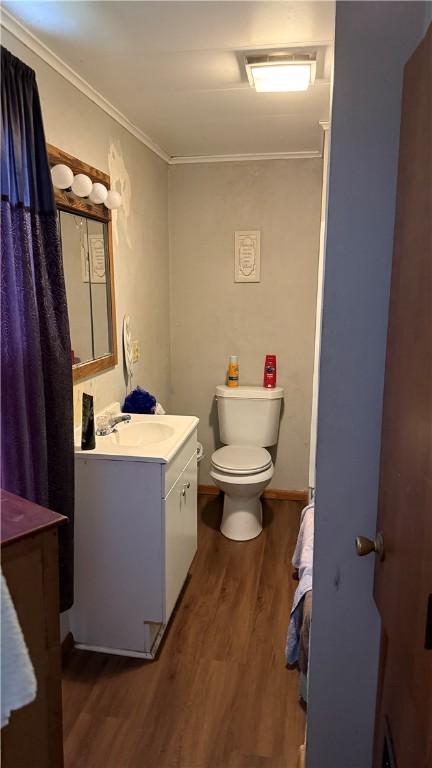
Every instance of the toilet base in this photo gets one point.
(242, 517)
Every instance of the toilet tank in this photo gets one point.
(249, 415)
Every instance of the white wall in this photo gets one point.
(373, 40)
(213, 317)
(140, 227)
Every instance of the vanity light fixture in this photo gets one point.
(280, 73)
(82, 186)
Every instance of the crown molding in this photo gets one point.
(243, 158)
(18, 30)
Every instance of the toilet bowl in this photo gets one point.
(248, 422)
(242, 472)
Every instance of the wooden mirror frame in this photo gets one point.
(67, 201)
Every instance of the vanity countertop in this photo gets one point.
(146, 437)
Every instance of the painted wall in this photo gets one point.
(140, 227)
(361, 206)
(214, 317)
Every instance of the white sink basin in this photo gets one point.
(143, 438)
(135, 433)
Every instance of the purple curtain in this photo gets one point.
(37, 454)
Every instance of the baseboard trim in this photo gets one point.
(208, 490)
(66, 646)
(270, 493)
(290, 495)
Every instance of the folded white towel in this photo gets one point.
(18, 681)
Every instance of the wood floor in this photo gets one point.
(219, 694)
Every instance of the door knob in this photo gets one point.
(365, 546)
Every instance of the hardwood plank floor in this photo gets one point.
(219, 694)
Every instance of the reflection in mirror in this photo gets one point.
(86, 267)
(85, 229)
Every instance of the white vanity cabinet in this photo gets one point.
(135, 538)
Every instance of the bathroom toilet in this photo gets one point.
(248, 423)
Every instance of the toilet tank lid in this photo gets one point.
(250, 392)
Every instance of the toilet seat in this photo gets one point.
(241, 460)
(241, 483)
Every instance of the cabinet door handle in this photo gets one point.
(186, 486)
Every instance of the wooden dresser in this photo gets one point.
(29, 553)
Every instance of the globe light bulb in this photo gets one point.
(82, 185)
(62, 176)
(98, 193)
(113, 200)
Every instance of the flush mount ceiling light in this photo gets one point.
(279, 73)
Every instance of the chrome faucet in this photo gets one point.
(110, 426)
(122, 417)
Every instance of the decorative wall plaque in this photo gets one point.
(247, 257)
(97, 258)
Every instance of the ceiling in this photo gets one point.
(174, 69)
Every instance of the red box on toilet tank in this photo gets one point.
(270, 372)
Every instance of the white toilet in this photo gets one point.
(248, 421)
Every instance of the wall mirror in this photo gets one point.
(85, 232)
